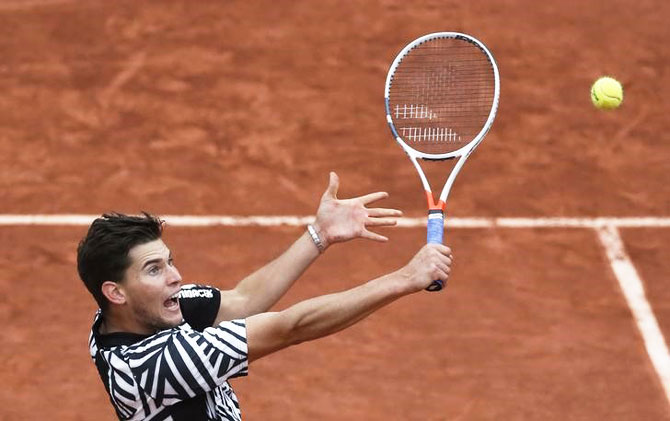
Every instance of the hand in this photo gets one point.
(431, 263)
(340, 220)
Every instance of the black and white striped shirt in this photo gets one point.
(175, 374)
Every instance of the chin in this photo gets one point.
(164, 323)
(173, 321)
(161, 319)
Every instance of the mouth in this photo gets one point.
(172, 303)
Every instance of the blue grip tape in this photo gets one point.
(435, 227)
(435, 236)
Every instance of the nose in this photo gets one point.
(173, 275)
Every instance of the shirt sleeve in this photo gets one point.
(180, 363)
(199, 305)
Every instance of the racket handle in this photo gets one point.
(435, 236)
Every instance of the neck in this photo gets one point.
(113, 322)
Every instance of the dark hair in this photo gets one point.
(103, 254)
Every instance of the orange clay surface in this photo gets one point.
(242, 108)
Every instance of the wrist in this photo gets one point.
(396, 284)
(317, 236)
(405, 282)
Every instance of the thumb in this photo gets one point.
(333, 185)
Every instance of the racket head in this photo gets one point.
(441, 95)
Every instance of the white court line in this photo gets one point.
(260, 220)
(607, 228)
(633, 291)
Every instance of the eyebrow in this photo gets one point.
(156, 260)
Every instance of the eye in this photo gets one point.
(171, 261)
(153, 270)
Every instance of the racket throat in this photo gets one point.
(432, 206)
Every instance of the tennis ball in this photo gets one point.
(606, 93)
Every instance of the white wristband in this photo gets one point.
(315, 237)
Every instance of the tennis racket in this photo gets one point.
(441, 98)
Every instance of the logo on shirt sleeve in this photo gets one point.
(196, 293)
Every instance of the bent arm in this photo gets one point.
(320, 316)
(337, 220)
(262, 289)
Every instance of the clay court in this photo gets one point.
(239, 109)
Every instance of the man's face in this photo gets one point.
(151, 287)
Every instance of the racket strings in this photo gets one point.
(441, 95)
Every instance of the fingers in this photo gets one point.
(381, 222)
(441, 267)
(444, 250)
(441, 253)
(443, 259)
(333, 186)
(444, 268)
(382, 217)
(373, 236)
(373, 197)
(433, 262)
(377, 212)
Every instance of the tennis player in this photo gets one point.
(165, 350)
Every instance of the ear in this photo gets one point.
(113, 292)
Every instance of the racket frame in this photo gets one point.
(435, 223)
(462, 152)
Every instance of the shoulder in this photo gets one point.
(199, 305)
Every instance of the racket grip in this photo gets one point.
(435, 236)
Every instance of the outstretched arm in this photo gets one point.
(322, 316)
(337, 220)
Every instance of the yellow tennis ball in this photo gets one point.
(606, 93)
